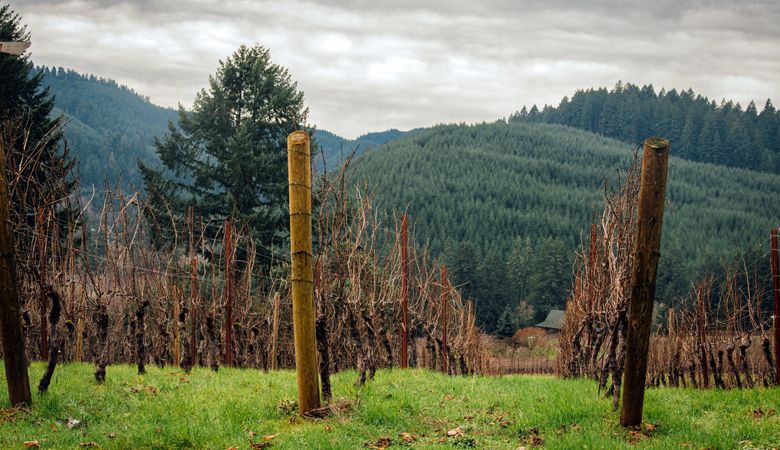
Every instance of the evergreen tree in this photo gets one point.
(28, 129)
(228, 157)
(506, 324)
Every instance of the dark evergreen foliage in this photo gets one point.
(110, 126)
(506, 206)
(699, 128)
(228, 157)
(26, 103)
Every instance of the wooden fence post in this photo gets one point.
(404, 295)
(16, 376)
(776, 315)
(652, 191)
(444, 298)
(299, 172)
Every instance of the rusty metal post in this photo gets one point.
(176, 295)
(301, 278)
(228, 251)
(43, 299)
(444, 297)
(701, 311)
(652, 191)
(194, 292)
(16, 376)
(404, 295)
(776, 315)
(275, 332)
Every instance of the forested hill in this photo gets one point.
(699, 128)
(110, 126)
(505, 204)
(335, 149)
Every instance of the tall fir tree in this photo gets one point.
(228, 157)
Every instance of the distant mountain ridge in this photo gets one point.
(335, 149)
(110, 127)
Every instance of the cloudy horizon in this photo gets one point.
(381, 65)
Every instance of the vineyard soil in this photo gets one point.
(235, 408)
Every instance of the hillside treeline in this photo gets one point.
(507, 204)
(110, 126)
(700, 129)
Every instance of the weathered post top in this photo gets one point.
(657, 143)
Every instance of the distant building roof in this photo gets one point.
(554, 320)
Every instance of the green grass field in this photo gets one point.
(416, 408)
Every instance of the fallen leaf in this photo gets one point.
(382, 443)
(112, 435)
(89, 444)
(407, 437)
(72, 423)
(31, 444)
(268, 437)
(259, 445)
(183, 380)
(327, 428)
(455, 432)
(158, 430)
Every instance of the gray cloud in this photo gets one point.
(368, 66)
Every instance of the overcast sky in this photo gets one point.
(373, 65)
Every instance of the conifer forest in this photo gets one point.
(193, 256)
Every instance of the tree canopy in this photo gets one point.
(227, 157)
(30, 132)
(700, 129)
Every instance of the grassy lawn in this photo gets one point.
(415, 408)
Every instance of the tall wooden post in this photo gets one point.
(302, 276)
(228, 293)
(776, 316)
(444, 297)
(652, 191)
(16, 376)
(43, 299)
(404, 295)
